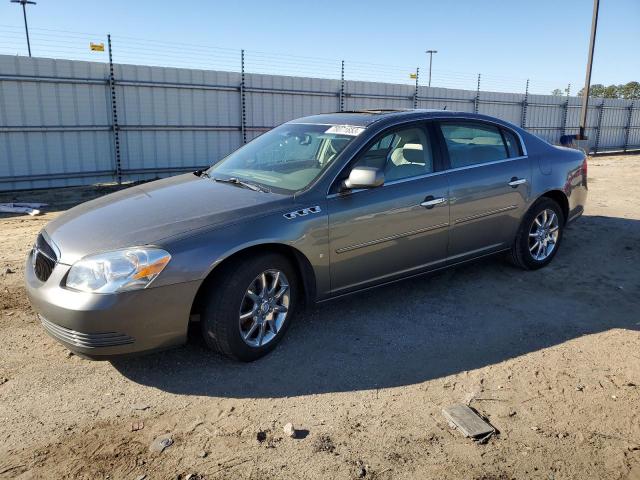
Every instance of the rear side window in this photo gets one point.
(470, 143)
(513, 145)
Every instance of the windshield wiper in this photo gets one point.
(240, 183)
(201, 173)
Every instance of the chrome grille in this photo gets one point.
(44, 259)
(85, 340)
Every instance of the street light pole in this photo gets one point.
(587, 82)
(24, 14)
(430, 52)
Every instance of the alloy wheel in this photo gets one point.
(264, 308)
(543, 235)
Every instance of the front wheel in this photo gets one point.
(250, 306)
(539, 235)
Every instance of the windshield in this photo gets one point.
(287, 158)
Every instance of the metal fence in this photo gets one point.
(72, 122)
(48, 43)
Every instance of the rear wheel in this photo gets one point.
(250, 306)
(539, 235)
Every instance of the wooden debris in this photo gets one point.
(467, 421)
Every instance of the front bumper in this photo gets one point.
(102, 326)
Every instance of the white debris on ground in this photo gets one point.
(30, 208)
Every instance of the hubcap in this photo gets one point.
(264, 308)
(543, 235)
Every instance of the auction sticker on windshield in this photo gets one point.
(345, 130)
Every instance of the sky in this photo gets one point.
(506, 41)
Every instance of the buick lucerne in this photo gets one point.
(314, 209)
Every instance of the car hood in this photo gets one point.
(148, 213)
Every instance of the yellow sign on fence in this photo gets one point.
(96, 47)
(413, 75)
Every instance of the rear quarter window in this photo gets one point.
(513, 144)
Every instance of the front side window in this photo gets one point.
(287, 158)
(401, 154)
(473, 143)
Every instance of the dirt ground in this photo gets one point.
(550, 357)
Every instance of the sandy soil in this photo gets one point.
(551, 358)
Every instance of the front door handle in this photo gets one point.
(432, 201)
(515, 181)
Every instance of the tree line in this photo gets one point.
(630, 90)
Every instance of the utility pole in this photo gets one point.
(430, 52)
(587, 82)
(415, 95)
(24, 14)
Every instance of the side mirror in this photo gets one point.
(364, 177)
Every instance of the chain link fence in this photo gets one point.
(92, 108)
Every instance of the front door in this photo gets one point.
(489, 185)
(379, 233)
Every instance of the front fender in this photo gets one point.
(195, 257)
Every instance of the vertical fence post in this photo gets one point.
(598, 127)
(114, 114)
(628, 128)
(525, 105)
(243, 100)
(415, 94)
(342, 87)
(565, 114)
(476, 101)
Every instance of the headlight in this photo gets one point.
(127, 269)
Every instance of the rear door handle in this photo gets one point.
(515, 181)
(432, 201)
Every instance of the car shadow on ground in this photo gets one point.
(428, 327)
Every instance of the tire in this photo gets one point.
(521, 252)
(227, 298)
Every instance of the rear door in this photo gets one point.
(380, 233)
(489, 185)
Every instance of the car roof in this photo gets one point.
(364, 118)
(360, 118)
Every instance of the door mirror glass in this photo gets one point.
(364, 177)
